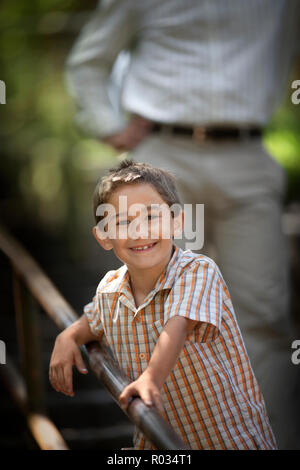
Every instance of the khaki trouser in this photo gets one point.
(241, 187)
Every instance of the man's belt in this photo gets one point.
(203, 133)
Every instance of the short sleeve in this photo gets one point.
(93, 314)
(197, 295)
(94, 310)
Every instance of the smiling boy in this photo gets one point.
(168, 317)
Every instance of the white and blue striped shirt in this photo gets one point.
(191, 62)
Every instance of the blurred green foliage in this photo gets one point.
(48, 168)
(282, 139)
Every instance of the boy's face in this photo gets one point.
(148, 228)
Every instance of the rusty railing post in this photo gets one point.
(28, 333)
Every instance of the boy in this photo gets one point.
(168, 317)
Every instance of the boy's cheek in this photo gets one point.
(133, 231)
(162, 229)
(178, 226)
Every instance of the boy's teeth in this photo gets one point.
(144, 247)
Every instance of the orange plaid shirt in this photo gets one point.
(211, 397)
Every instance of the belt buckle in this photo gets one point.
(199, 134)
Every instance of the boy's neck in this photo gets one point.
(143, 282)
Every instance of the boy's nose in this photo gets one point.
(140, 231)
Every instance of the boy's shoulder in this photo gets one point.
(188, 267)
(190, 261)
(111, 280)
(196, 267)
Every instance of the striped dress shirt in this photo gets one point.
(211, 397)
(191, 62)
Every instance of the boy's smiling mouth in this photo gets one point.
(143, 248)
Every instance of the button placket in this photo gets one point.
(139, 325)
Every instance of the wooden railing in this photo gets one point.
(31, 285)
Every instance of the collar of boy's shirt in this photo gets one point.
(119, 281)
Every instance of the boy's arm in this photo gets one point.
(80, 331)
(163, 360)
(66, 353)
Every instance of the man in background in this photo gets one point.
(203, 79)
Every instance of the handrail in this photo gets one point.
(99, 356)
(43, 430)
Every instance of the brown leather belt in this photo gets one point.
(203, 133)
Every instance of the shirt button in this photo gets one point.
(138, 319)
(142, 356)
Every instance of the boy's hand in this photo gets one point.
(146, 389)
(65, 354)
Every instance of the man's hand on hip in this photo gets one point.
(137, 129)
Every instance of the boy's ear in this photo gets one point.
(102, 238)
(178, 224)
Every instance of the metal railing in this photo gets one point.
(30, 285)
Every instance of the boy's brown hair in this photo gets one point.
(130, 172)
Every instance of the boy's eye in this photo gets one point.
(126, 221)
